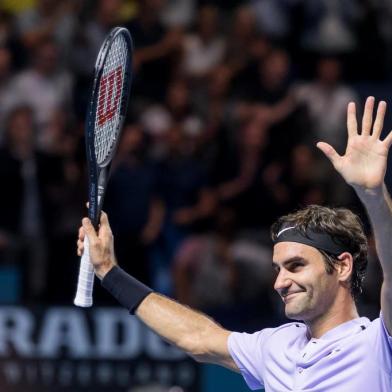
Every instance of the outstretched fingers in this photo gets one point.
(330, 153)
(367, 118)
(368, 127)
(352, 125)
(379, 121)
(388, 140)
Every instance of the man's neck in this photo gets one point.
(331, 319)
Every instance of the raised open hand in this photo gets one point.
(365, 161)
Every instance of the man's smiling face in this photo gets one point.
(303, 283)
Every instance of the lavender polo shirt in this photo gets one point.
(354, 356)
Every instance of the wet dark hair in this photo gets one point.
(341, 224)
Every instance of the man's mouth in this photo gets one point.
(287, 297)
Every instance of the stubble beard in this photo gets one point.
(299, 308)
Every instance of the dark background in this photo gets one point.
(227, 103)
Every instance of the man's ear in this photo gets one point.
(345, 266)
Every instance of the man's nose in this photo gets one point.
(282, 281)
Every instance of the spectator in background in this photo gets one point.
(155, 49)
(270, 82)
(206, 260)
(9, 39)
(188, 202)
(329, 26)
(5, 80)
(242, 39)
(326, 99)
(178, 13)
(214, 140)
(31, 177)
(5, 28)
(203, 50)
(235, 269)
(90, 34)
(272, 17)
(372, 60)
(211, 100)
(243, 176)
(244, 49)
(305, 183)
(136, 212)
(270, 98)
(251, 140)
(176, 109)
(44, 85)
(49, 19)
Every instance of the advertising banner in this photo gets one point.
(101, 349)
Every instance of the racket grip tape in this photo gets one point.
(84, 291)
(127, 290)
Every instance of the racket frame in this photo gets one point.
(98, 173)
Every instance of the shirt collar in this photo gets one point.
(342, 330)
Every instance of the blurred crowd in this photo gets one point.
(228, 100)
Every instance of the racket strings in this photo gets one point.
(109, 100)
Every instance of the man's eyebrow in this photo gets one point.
(288, 261)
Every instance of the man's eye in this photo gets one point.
(296, 266)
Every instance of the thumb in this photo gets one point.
(104, 221)
(329, 152)
(89, 230)
(104, 226)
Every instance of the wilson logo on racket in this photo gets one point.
(109, 95)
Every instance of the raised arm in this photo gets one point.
(187, 329)
(363, 166)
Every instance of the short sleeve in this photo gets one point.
(387, 340)
(381, 344)
(246, 351)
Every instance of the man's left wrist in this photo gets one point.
(369, 193)
(103, 270)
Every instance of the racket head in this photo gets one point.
(106, 111)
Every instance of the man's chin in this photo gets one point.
(294, 316)
(304, 315)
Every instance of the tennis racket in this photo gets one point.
(105, 116)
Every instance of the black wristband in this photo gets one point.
(127, 290)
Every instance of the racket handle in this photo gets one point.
(84, 292)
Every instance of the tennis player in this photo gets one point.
(320, 258)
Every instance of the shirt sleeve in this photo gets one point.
(246, 351)
(387, 338)
(382, 345)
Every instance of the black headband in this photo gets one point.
(322, 241)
